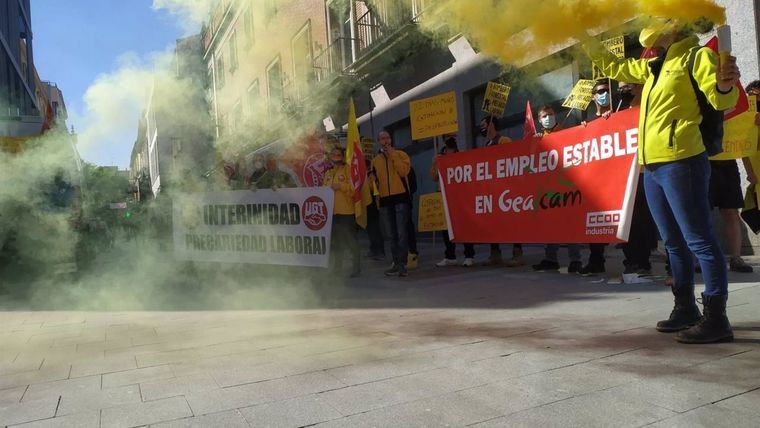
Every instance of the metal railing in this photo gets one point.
(334, 59)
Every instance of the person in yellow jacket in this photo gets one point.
(344, 241)
(389, 171)
(676, 169)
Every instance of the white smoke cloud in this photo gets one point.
(191, 13)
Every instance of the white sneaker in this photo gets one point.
(446, 262)
(468, 262)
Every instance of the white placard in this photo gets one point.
(284, 227)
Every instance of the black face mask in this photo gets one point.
(626, 98)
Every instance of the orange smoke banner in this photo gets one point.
(572, 186)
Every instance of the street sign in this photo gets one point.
(495, 100)
(434, 116)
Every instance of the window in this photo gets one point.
(219, 72)
(248, 27)
(275, 84)
(55, 108)
(233, 52)
(253, 96)
(303, 61)
(236, 118)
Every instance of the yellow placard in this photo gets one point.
(368, 148)
(740, 134)
(616, 45)
(434, 116)
(431, 217)
(581, 96)
(495, 101)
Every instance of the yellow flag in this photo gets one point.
(355, 158)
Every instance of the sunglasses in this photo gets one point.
(601, 91)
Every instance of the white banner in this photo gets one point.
(284, 227)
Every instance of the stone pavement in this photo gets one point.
(444, 347)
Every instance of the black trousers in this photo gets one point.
(643, 236)
(344, 243)
(451, 248)
(411, 233)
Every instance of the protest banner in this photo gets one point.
(495, 100)
(581, 95)
(576, 185)
(431, 217)
(434, 116)
(740, 134)
(616, 45)
(285, 227)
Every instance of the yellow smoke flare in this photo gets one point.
(515, 30)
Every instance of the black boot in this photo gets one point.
(714, 327)
(685, 312)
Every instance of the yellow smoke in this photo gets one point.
(515, 30)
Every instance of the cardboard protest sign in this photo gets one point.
(740, 134)
(616, 45)
(576, 185)
(434, 116)
(431, 217)
(284, 227)
(495, 100)
(581, 95)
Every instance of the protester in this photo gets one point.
(676, 177)
(643, 235)
(344, 242)
(488, 130)
(450, 256)
(275, 178)
(549, 123)
(389, 171)
(258, 171)
(603, 103)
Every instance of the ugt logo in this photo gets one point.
(314, 213)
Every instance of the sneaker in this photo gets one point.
(468, 262)
(574, 267)
(412, 261)
(446, 263)
(737, 264)
(516, 261)
(494, 260)
(592, 269)
(402, 271)
(546, 266)
(644, 272)
(393, 271)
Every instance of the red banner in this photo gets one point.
(570, 186)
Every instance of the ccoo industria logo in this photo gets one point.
(314, 213)
(603, 219)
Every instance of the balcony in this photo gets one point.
(335, 59)
(215, 22)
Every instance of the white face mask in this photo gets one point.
(549, 122)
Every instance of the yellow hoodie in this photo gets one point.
(390, 173)
(670, 115)
(344, 197)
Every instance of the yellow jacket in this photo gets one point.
(670, 114)
(344, 197)
(390, 173)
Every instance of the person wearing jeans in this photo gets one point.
(389, 171)
(678, 83)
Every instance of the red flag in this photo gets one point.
(530, 125)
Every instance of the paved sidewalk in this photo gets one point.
(444, 347)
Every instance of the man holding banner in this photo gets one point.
(344, 239)
(672, 150)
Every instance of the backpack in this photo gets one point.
(711, 126)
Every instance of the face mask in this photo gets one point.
(626, 98)
(549, 122)
(483, 132)
(258, 165)
(603, 99)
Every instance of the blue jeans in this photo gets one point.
(677, 197)
(551, 252)
(394, 219)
